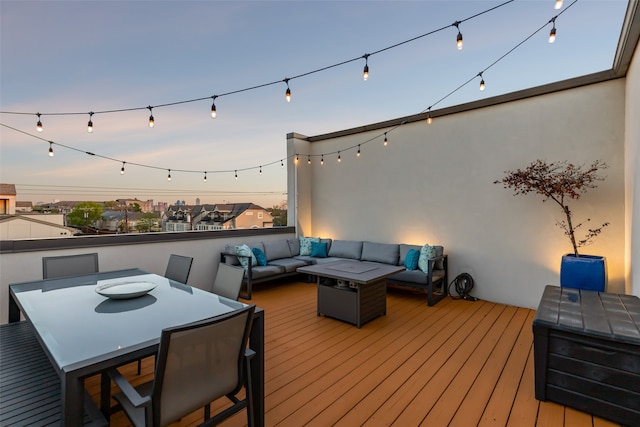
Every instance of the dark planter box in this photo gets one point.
(587, 272)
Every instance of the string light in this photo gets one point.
(122, 169)
(260, 169)
(552, 34)
(459, 44)
(205, 177)
(287, 94)
(90, 124)
(236, 172)
(558, 5)
(322, 159)
(429, 117)
(213, 107)
(39, 124)
(152, 122)
(309, 160)
(385, 139)
(481, 81)
(365, 73)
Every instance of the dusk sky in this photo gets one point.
(95, 56)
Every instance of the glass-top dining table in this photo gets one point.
(84, 333)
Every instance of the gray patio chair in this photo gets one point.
(198, 363)
(69, 265)
(178, 268)
(228, 281)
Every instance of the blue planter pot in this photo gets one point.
(587, 272)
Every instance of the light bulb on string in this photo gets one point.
(214, 113)
(358, 153)
(552, 34)
(39, 124)
(152, 122)
(236, 172)
(322, 159)
(169, 175)
(205, 177)
(429, 118)
(385, 139)
(481, 82)
(459, 43)
(558, 4)
(50, 148)
(122, 169)
(287, 94)
(281, 163)
(261, 170)
(90, 124)
(365, 73)
(309, 160)
(339, 158)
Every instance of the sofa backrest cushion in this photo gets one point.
(346, 249)
(294, 246)
(231, 259)
(305, 245)
(386, 253)
(277, 249)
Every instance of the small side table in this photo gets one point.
(587, 352)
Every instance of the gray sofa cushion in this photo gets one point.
(265, 271)
(351, 249)
(294, 246)
(417, 276)
(231, 259)
(386, 253)
(277, 249)
(289, 264)
(315, 260)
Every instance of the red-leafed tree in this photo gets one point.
(558, 181)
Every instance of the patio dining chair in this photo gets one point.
(178, 268)
(198, 363)
(69, 265)
(228, 281)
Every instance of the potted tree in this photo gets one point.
(561, 182)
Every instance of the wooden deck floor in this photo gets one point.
(458, 363)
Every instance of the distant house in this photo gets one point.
(145, 206)
(7, 199)
(177, 218)
(209, 217)
(24, 206)
(15, 227)
(119, 221)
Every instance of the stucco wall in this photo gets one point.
(434, 184)
(632, 156)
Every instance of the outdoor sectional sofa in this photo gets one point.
(283, 257)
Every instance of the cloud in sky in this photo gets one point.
(68, 56)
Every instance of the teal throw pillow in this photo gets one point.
(305, 245)
(246, 252)
(261, 258)
(426, 252)
(319, 249)
(411, 260)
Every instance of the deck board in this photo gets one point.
(458, 363)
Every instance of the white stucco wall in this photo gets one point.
(632, 157)
(434, 184)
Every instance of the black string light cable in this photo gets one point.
(296, 155)
(286, 80)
